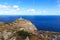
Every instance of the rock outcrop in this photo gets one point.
(7, 29)
(22, 24)
(25, 25)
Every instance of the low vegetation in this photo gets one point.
(22, 33)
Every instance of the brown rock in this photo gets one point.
(34, 37)
(25, 24)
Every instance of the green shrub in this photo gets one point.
(22, 33)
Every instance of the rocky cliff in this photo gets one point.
(25, 25)
(7, 29)
(20, 24)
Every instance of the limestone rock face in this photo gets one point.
(25, 25)
(20, 24)
(8, 29)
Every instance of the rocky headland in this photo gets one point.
(22, 29)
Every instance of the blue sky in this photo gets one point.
(29, 7)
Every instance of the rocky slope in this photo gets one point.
(22, 24)
(8, 31)
(25, 25)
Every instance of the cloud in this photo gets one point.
(46, 12)
(28, 12)
(31, 10)
(9, 10)
(16, 7)
(3, 7)
(43, 11)
(15, 10)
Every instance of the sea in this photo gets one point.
(47, 23)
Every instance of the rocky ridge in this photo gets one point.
(8, 30)
(22, 24)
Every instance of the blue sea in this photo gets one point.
(49, 23)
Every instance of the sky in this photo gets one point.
(29, 7)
